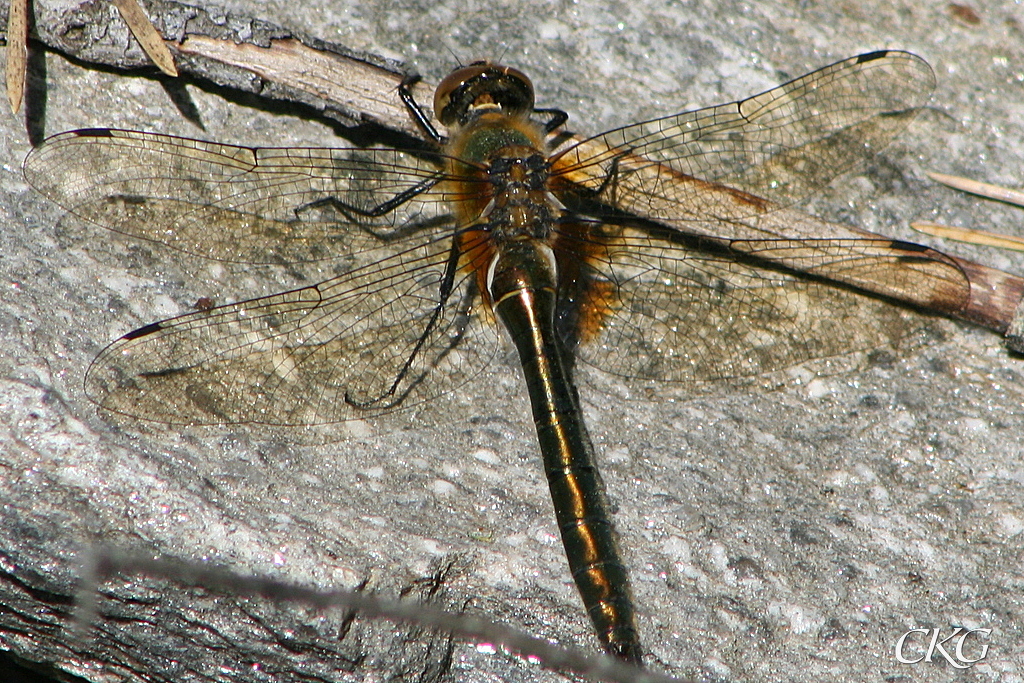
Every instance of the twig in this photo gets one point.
(103, 563)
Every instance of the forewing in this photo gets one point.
(781, 145)
(228, 203)
(350, 347)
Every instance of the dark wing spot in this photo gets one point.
(872, 56)
(143, 331)
(94, 133)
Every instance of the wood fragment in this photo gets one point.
(969, 236)
(17, 52)
(355, 85)
(147, 35)
(997, 192)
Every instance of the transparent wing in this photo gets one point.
(680, 310)
(730, 281)
(383, 334)
(230, 203)
(388, 330)
(780, 146)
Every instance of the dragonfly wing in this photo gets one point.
(232, 203)
(719, 277)
(350, 347)
(781, 145)
(727, 173)
(682, 311)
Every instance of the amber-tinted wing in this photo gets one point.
(728, 173)
(679, 311)
(248, 205)
(781, 145)
(731, 281)
(390, 327)
(351, 347)
(386, 331)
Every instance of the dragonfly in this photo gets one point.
(652, 252)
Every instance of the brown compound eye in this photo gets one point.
(480, 85)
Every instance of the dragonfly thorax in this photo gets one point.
(521, 205)
(498, 170)
(498, 177)
(517, 203)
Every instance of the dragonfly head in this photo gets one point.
(482, 86)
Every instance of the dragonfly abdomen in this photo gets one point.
(522, 284)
